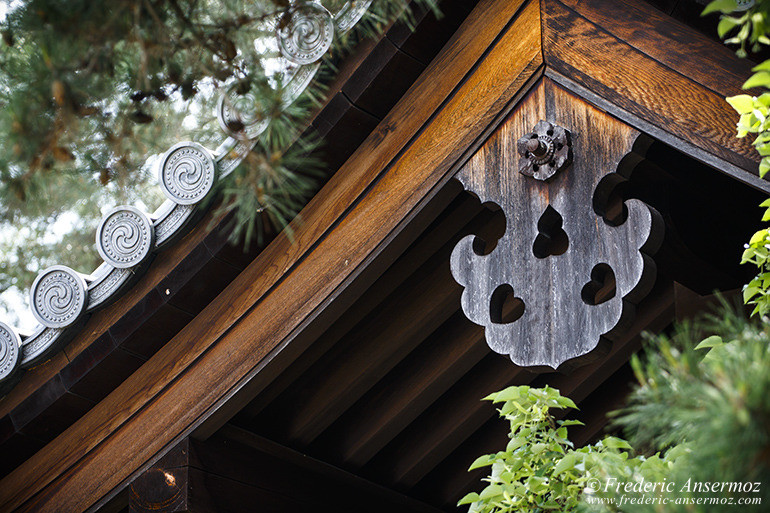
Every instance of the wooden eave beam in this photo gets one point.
(491, 61)
(344, 123)
(480, 71)
(654, 73)
(238, 471)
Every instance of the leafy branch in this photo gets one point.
(748, 28)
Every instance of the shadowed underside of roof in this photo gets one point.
(347, 343)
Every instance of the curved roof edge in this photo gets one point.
(61, 299)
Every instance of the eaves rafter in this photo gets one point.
(255, 326)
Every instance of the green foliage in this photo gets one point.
(749, 29)
(706, 403)
(746, 27)
(757, 252)
(539, 470)
(699, 412)
(616, 477)
(755, 114)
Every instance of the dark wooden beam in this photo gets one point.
(442, 427)
(608, 397)
(357, 212)
(370, 351)
(598, 50)
(459, 210)
(451, 480)
(237, 471)
(373, 347)
(387, 409)
(165, 487)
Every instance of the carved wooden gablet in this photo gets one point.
(574, 257)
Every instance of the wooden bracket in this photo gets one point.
(574, 258)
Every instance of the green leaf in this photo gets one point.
(508, 394)
(515, 443)
(468, 499)
(762, 66)
(742, 103)
(764, 167)
(758, 237)
(748, 293)
(712, 341)
(612, 442)
(724, 6)
(566, 463)
(760, 79)
(482, 461)
(490, 492)
(726, 24)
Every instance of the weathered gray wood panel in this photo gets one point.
(572, 256)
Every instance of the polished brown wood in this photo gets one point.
(370, 350)
(201, 365)
(459, 210)
(656, 90)
(669, 42)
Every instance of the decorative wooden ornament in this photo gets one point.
(565, 272)
(545, 151)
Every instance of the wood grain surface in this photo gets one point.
(557, 247)
(164, 398)
(653, 80)
(477, 74)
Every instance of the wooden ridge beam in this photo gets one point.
(478, 73)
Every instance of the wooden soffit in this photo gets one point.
(620, 56)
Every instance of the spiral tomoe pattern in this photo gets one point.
(124, 237)
(187, 173)
(308, 35)
(58, 297)
(236, 109)
(10, 348)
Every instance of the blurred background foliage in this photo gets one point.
(92, 92)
